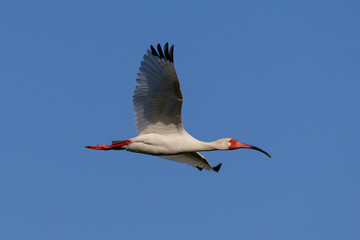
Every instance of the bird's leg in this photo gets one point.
(108, 147)
(99, 147)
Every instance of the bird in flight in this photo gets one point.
(157, 104)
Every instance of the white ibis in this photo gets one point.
(157, 105)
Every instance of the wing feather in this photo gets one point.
(153, 51)
(194, 159)
(157, 97)
(160, 51)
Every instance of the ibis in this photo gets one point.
(157, 104)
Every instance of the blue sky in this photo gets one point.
(281, 75)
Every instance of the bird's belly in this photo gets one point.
(155, 144)
(150, 149)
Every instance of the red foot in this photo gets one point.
(99, 147)
(108, 147)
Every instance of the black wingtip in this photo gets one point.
(153, 51)
(166, 51)
(161, 54)
(217, 168)
(172, 54)
(168, 55)
(200, 169)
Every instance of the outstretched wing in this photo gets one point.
(194, 159)
(157, 97)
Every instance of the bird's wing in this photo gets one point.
(194, 159)
(157, 97)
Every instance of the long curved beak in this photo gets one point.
(238, 144)
(260, 150)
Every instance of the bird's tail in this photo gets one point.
(120, 142)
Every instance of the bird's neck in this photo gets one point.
(209, 146)
(197, 145)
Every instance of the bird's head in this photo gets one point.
(232, 144)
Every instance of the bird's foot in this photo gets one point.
(117, 146)
(100, 147)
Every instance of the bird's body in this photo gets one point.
(157, 105)
(157, 144)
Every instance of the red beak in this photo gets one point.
(238, 144)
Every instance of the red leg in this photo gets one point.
(108, 147)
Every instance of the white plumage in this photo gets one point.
(157, 97)
(157, 105)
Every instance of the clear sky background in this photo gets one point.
(281, 75)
